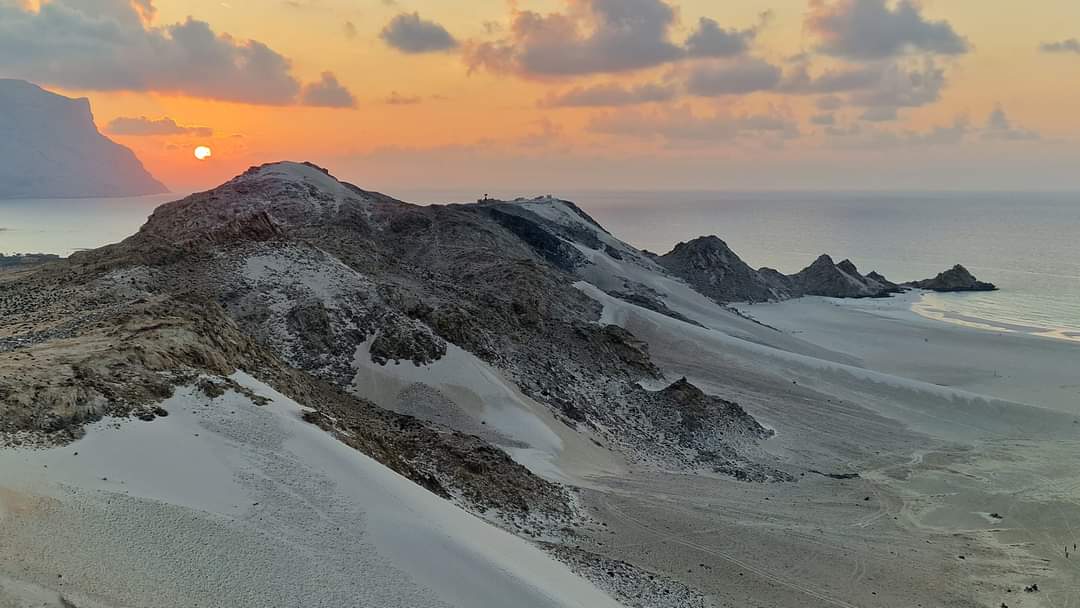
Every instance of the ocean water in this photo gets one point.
(1026, 243)
(63, 226)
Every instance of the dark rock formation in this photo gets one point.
(50, 148)
(712, 268)
(827, 278)
(956, 278)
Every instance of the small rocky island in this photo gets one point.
(954, 279)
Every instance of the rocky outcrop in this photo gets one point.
(956, 278)
(50, 148)
(827, 278)
(713, 269)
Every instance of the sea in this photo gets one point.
(1028, 243)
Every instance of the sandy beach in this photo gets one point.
(953, 499)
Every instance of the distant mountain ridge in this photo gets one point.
(50, 148)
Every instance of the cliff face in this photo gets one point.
(50, 148)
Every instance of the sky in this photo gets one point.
(538, 96)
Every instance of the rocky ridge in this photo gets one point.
(288, 274)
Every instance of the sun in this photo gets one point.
(203, 152)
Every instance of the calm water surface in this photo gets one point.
(1027, 243)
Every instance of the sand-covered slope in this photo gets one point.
(229, 503)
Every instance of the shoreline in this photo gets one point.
(931, 310)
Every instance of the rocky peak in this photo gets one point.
(261, 203)
(712, 268)
(826, 278)
(956, 278)
(848, 267)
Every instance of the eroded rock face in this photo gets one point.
(712, 268)
(50, 148)
(954, 279)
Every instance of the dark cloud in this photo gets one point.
(111, 45)
(903, 87)
(877, 29)
(738, 77)
(409, 33)
(711, 40)
(826, 119)
(593, 36)
(1072, 45)
(604, 37)
(143, 126)
(611, 95)
(842, 80)
(327, 93)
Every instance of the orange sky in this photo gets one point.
(492, 128)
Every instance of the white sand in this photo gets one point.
(887, 336)
(224, 503)
(489, 401)
(943, 423)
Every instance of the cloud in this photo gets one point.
(397, 99)
(143, 126)
(1072, 45)
(842, 80)
(877, 29)
(409, 33)
(610, 95)
(593, 36)
(826, 119)
(903, 87)
(881, 114)
(738, 77)
(350, 30)
(113, 45)
(711, 40)
(327, 93)
(682, 124)
(829, 103)
(881, 88)
(999, 127)
(856, 137)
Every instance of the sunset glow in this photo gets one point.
(741, 95)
